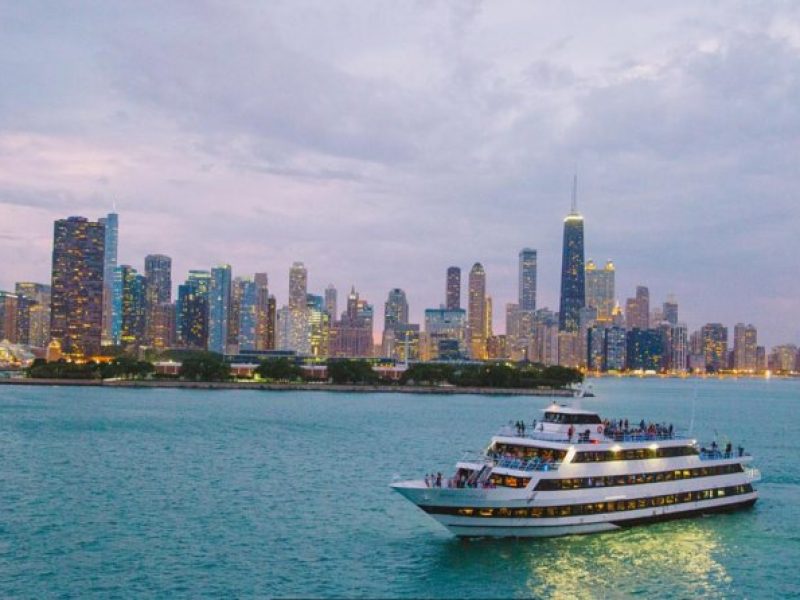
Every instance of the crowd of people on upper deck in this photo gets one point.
(622, 429)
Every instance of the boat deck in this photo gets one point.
(545, 436)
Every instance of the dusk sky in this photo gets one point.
(381, 142)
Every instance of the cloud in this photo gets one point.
(381, 143)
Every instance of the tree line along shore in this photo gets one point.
(198, 368)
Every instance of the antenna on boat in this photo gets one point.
(694, 405)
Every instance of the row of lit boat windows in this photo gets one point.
(528, 452)
(634, 478)
(593, 508)
(509, 481)
(634, 454)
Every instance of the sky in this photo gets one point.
(381, 142)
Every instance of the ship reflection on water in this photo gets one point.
(678, 560)
(662, 560)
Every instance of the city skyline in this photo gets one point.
(231, 314)
(455, 154)
(636, 312)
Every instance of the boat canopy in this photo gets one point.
(567, 415)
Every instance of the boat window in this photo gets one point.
(528, 452)
(593, 508)
(635, 454)
(560, 418)
(509, 480)
(632, 479)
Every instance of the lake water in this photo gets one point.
(153, 492)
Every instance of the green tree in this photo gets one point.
(500, 376)
(61, 369)
(126, 366)
(279, 369)
(351, 371)
(205, 366)
(557, 376)
(428, 374)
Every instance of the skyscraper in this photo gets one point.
(595, 338)
(76, 319)
(573, 292)
(543, 347)
(477, 313)
(112, 316)
(678, 348)
(715, 346)
(283, 328)
(33, 322)
(133, 306)
(262, 312)
(644, 350)
(527, 279)
(247, 336)
(614, 349)
(670, 310)
(298, 286)
(512, 320)
(395, 316)
(352, 335)
(272, 324)
(600, 289)
(783, 358)
(219, 299)
(9, 312)
(319, 326)
(234, 310)
(192, 310)
(158, 293)
(453, 289)
(330, 302)
(637, 310)
(446, 332)
(297, 319)
(745, 342)
(395, 309)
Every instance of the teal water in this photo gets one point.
(266, 494)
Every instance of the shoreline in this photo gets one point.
(291, 387)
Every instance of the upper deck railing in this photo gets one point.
(506, 462)
(707, 454)
(577, 438)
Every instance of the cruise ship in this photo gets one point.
(572, 472)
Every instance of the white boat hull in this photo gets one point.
(477, 526)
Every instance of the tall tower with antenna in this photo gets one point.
(573, 287)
